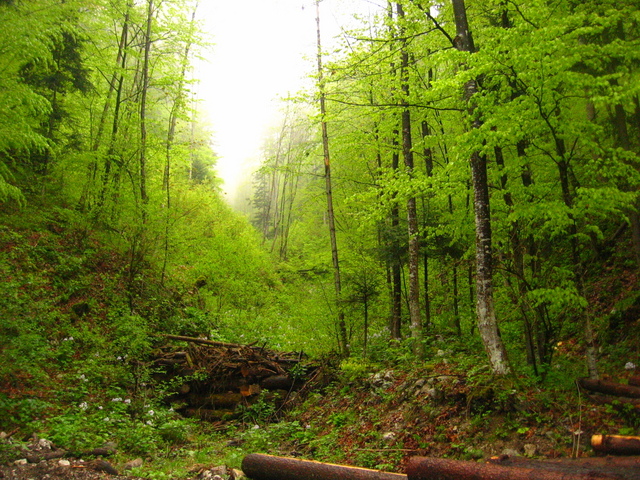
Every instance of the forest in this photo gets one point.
(456, 194)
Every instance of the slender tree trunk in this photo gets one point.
(178, 105)
(412, 211)
(144, 198)
(428, 163)
(396, 259)
(487, 322)
(121, 61)
(342, 328)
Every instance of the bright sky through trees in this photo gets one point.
(264, 50)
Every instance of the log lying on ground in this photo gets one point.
(425, 468)
(627, 468)
(268, 467)
(609, 388)
(616, 444)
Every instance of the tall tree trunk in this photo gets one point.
(567, 197)
(121, 62)
(144, 198)
(342, 327)
(412, 211)
(178, 105)
(428, 163)
(487, 322)
(396, 259)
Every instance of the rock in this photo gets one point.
(132, 464)
(530, 449)
(419, 383)
(22, 461)
(236, 474)
(383, 379)
(64, 463)
(389, 437)
(43, 444)
(434, 394)
(510, 452)
(221, 471)
(215, 473)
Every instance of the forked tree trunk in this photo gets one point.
(487, 322)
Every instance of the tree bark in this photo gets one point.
(487, 322)
(609, 388)
(412, 215)
(121, 61)
(268, 467)
(428, 163)
(423, 468)
(144, 198)
(616, 444)
(342, 327)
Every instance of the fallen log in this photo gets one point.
(623, 467)
(268, 467)
(609, 388)
(616, 444)
(277, 382)
(426, 468)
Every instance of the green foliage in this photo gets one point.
(259, 411)
(139, 430)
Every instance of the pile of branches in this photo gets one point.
(218, 381)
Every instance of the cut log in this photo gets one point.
(623, 467)
(277, 382)
(268, 467)
(616, 444)
(609, 388)
(425, 468)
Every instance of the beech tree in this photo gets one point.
(487, 323)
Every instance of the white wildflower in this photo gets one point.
(629, 366)
(84, 405)
(151, 412)
(127, 401)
